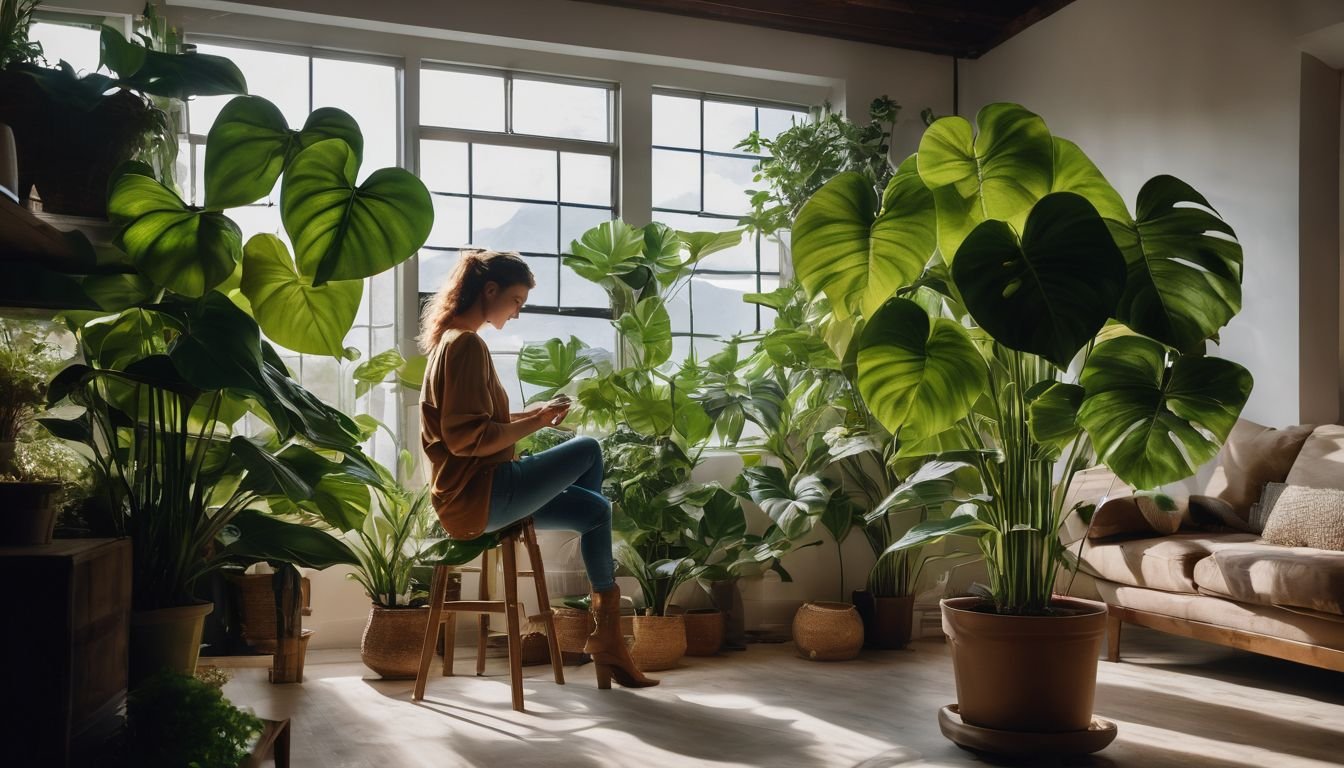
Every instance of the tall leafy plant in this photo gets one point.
(1018, 317)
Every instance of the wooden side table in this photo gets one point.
(273, 742)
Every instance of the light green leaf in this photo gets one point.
(342, 231)
(1050, 293)
(288, 308)
(918, 377)
(181, 249)
(931, 531)
(1052, 412)
(648, 329)
(702, 244)
(998, 174)
(1155, 421)
(794, 504)
(1075, 172)
(610, 249)
(375, 370)
(556, 365)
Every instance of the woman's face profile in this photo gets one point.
(501, 306)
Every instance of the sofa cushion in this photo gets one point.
(1307, 517)
(1267, 574)
(1313, 629)
(1166, 563)
(1252, 456)
(1320, 464)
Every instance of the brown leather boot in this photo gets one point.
(607, 644)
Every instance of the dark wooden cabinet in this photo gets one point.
(63, 648)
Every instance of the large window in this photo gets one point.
(519, 163)
(700, 182)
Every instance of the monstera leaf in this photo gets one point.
(702, 244)
(344, 231)
(1154, 420)
(292, 312)
(919, 377)
(251, 143)
(996, 174)
(647, 329)
(794, 504)
(555, 364)
(181, 249)
(1075, 172)
(662, 252)
(1052, 412)
(1184, 266)
(854, 253)
(610, 249)
(1050, 293)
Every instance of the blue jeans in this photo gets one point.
(561, 489)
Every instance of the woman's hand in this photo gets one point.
(553, 412)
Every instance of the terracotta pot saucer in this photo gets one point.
(1093, 739)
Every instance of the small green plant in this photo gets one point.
(390, 544)
(27, 362)
(175, 720)
(16, 16)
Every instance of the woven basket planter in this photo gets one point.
(572, 628)
(392, 641)
(704, 632)
(256, 608)
(660, 642)
(827, 631)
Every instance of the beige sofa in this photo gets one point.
(1233, 588)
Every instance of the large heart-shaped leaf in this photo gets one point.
(251, 143)
(998, 174)
(255, 536)
(1184, 266)
(554, 365)
(1075, 172)
(344, 231)
(702, 244)
(918, 377)
(1154, 421)
(794, 504)
(184, 250)
(854, 253)
(610, 249)
(1052, 412)
(647, 329)
(292, 312)
(1050, 293)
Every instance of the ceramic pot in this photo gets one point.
(1025, 673)
(166, 638)
(825, 631)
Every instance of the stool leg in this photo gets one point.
(544, 601)
(449, 642)
(437, 589)
(511, 616)
(483, 621)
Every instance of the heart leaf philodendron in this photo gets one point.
(1062, 328)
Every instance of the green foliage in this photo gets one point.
(1064, 326)
(174, 720)
(812, 151)
(16, 16)
(390, 544)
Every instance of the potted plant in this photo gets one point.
(28, 495)
(1019, 318)
(72, 131)
(174, 720)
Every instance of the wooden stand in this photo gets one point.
(65, 647)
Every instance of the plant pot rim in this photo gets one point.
(829, 605)
(966, 605)
(701, 611)
(673, 617)
(381, 607)
(171, 613)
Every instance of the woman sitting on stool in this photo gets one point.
(469, 436)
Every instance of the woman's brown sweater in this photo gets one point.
(463, 409)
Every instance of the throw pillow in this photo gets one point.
(1252, 456)
(1321, 462)
(1207, 513)
(1261, 509)
(1307, 517)
(1142, 514)
(1090, 487)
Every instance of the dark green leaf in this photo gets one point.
(184, 250)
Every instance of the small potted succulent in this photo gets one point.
(29, 488)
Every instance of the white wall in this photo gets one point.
(1208, 91)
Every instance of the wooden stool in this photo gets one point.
(443, 613)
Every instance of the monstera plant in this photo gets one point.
(1018, 316)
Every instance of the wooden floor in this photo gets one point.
(1177, 702)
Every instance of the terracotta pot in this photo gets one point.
(704, 631)
(27, 513)
(727, 595)
(825, 631)
(392, 641)
(660, 642)
(1025, 673)
(892, 620)
(166, 638)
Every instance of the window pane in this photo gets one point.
(679, 309)
(451, 228)
(577, 291)
(258, 219)
(507, 368)
(576, 221)
(719, 308)
(768, 284)
(79, 46)
(443, 166)
(585, 179)
(462, 100)
(435, 266)
(198, 188)
(281, 78)
(513, 172)
(369, 93)
(382, 294)
(727, 124)
(503, 226)
(775, 121)
(676, 121)
(676, 180)
(726, 182)
(556, 109)
(546, 271)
